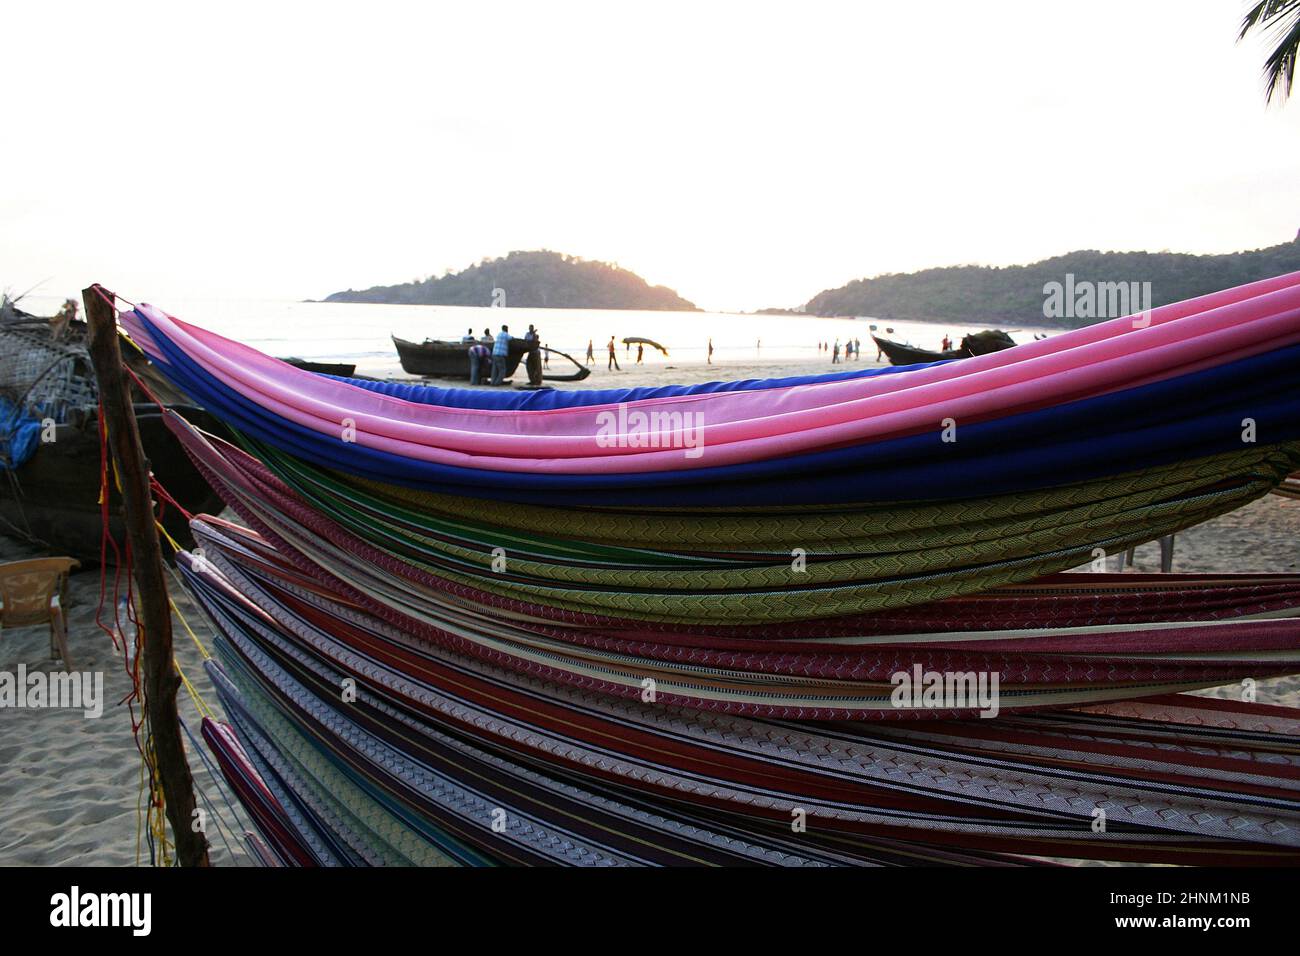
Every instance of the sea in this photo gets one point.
(361, 333)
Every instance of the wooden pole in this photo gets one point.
(160, 678)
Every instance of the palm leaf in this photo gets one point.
(1276, 20)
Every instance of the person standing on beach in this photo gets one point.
(533, 355)
(640, 353)
(613, 356)
(710, 350)
(835, 353)
(591, 353)
(500, 351)
(546, 355)
(947, 343)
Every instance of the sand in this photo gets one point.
(70, 786)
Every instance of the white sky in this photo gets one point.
(746, 154)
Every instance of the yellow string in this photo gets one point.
(139, 816)
(199, 703)
(207, 655)
(158, 815)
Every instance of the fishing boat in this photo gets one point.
(977, 343)
(50, 451)
(341, 369)
(639, 340)
(434, 358)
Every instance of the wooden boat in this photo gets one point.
(977, 343)
(638, 340)
(341, 369)
(434, 358)
(52, 497)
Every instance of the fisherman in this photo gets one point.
(500, 352)
(468, 338)
(479, 357)
(613, 356)
(533, 356)
(591, 353)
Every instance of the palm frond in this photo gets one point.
(1276, 20)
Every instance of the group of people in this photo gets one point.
(490, 355)
(612, 352)
(852, 349)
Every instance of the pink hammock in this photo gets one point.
(744, 426)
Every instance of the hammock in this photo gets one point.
(445, 758)
(645, 626)
(1083, 404)
(1163, 637)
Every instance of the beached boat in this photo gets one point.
(638, 340)
(977, 343)
(341, 369)
(434, 358)
(50, 452)
(53, 497)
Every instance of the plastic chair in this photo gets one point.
(34, 592)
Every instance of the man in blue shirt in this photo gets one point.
(500, 351)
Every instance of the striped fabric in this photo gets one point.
(818, 621)
(402, 752)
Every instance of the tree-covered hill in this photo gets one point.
(541, 279)
(1016, 294)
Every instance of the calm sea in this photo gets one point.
(361, 333)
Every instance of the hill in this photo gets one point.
(1016, 294)
(542, 279)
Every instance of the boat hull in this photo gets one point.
(341, 369)
(54, 497)
(979, 343)
(434, 359)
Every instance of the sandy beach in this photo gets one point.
(70, 788)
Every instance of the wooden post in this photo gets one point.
(160, 678)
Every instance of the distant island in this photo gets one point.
(1014, 294)
(540, 280)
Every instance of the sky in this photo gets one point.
(744, 154)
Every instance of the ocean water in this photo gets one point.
(361, 333)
